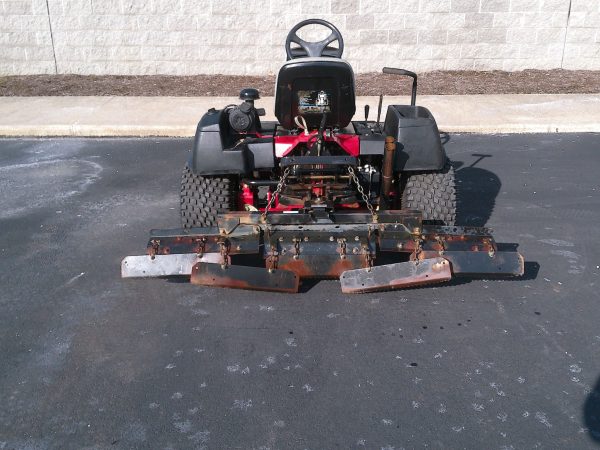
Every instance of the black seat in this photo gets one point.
(312, 86)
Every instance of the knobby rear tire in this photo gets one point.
(433, 193)
(204, 197)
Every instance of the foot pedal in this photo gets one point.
(396, 276)
(244, 277)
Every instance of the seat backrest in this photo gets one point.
(311, 86)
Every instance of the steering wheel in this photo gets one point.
(314, 49)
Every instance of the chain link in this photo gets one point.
(286, 172)
(361, 191)
(224, 250)
(280, 186)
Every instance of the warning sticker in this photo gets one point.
(314, 102)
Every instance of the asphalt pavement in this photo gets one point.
(89, 360)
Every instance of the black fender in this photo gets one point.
(219, 150)
(419, 147)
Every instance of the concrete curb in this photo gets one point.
(178, 116)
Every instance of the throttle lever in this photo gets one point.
(379, 112)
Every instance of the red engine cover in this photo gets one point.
(350, 143)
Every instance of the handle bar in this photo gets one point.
(407, 73)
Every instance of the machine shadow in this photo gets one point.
(591, 413)
(476, 192)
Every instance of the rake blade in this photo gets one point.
(144, 266)
(396, 276)
(244, 277)
(500, 264)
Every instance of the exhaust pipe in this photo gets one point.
(387, 172)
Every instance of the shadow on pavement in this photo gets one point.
(476, 189)
(531, 271)
(476, 192)
(591, 413)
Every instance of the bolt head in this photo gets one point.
(437, 267)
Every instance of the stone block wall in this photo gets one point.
(185, 37)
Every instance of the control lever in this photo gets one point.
(322, 125)
(406, 73)
(321, 135)
(367, 107)
(379, 112)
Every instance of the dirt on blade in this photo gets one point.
(432, 83)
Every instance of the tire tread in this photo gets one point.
(204, 197)
(433, 193)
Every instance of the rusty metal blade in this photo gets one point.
(396, 276)
(245, 277)
(320, 266)
(144, 266)
(481, 263)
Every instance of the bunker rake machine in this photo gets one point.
(318, 195)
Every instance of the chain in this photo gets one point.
(418, 250)
(273, 260)
(224, 250)
(280, 186)
(370, 259)
(286, 172)
(155, 243)
(362, 192)
(342, 244)
(201, 246)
